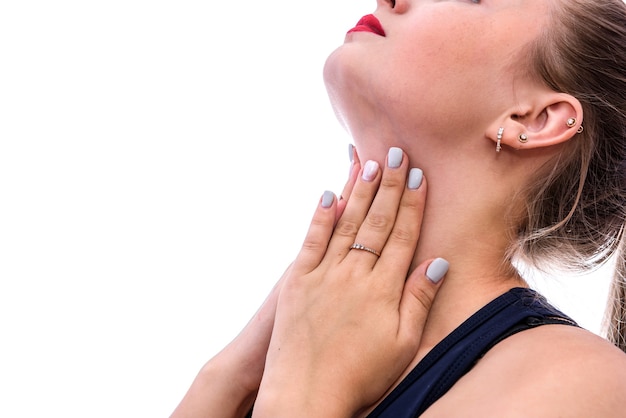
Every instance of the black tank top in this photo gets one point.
(516, 310)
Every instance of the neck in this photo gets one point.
(476, 250)
(465, 223)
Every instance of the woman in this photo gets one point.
(516, 113)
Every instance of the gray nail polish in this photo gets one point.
(415, 178)
(394, 158)
(327, 199)
(437, 269)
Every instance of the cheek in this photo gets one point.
(444, 50)
(442, 70)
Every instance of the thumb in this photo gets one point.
(419, 292)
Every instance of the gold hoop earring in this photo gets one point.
(499, 137)
(580, 129)
(523, 138)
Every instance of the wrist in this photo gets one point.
(231, 378)
(214, 393)
(289, 399)
(244, 369)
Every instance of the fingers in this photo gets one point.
(356, 209)
(382, 214)
(318, 235)
(419, 293)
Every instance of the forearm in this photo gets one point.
(215, 393)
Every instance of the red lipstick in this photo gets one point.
(369, 23)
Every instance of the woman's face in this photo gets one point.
(442, 67)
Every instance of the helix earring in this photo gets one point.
(499, 137)
(523, 138)
(571, 122)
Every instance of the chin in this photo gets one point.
(346, 75)
(335, 74)
(334, 80)
(363, 114)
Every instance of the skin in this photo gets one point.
(329, 303)
(228, 383)
(428, 65)
(345, 309)
(439, 85)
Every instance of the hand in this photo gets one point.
(349, 322)
(228, 383)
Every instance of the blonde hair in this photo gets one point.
(576, 206)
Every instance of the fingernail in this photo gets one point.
(415, 178)
(327, 199)
(394, 158)
(370, 170)
(351, 152)
(437, 269)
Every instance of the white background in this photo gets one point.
(159, 163)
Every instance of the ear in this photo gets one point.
(543, 121)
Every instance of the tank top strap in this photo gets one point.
(514, 311)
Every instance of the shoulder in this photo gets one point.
(552, 370)
(566, 356)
